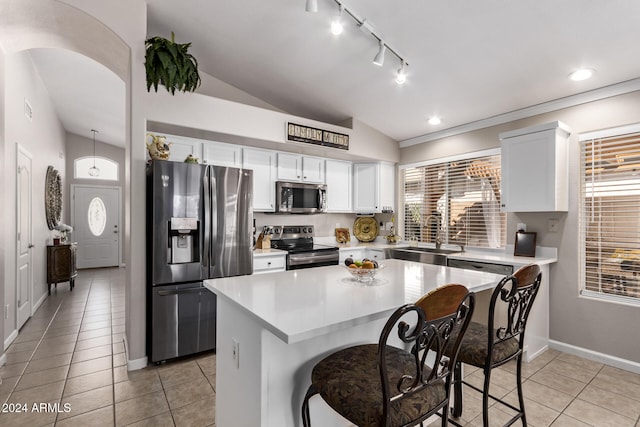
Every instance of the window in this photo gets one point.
(108, 168)
(455, 201)
(610, 203)
(97, 216)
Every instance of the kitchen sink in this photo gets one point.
(424, 255)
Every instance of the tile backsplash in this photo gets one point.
(324, 224)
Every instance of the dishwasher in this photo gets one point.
(503, 269)
(483, 298)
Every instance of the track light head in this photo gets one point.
(312, 6)
(379, 58)
(336, 25)
(401, 77)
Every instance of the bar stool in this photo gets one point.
(383, 385)
(500, 341)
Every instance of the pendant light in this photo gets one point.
(93, 170)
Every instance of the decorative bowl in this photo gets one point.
(363, 274)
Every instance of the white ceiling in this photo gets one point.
(86, 94)
(468, 61)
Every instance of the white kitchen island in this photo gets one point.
(273, 328)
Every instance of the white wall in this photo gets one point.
(44, 138)
(589, 324)
(3, 214)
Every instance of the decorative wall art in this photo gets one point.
(300, 133)
(53, 198)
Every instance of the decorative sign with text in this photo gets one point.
(300, 133)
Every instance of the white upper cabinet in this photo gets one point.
(534, 168)
(373, 187)
(263, 164)
(180, 147)
(313, 169)
(221, 154)
(339, 180)
(294, 167)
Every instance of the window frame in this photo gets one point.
(78, 161)
(447, 161)
(583, 202)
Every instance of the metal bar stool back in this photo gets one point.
(406, 377)
(500, 341)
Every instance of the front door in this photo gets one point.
(96, 226)
(24, 282)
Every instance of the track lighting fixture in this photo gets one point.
(337, 28)
(312, 6)
(401, 77)
(336, 25)
(379, 58)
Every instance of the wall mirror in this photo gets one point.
(53, 197)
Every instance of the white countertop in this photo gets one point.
(297, 305)
(543, 256)
(267, 252)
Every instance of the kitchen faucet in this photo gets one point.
(439, 230)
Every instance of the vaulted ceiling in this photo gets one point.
(467, 61)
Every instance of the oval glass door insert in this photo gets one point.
(97, 216)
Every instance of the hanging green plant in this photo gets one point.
(170, 64)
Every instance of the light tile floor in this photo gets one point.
(70, 355)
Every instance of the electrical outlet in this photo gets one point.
(236, 352)
(553, 225)
(521, 226)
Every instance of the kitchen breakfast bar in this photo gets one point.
(273, 328)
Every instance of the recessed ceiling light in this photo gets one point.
(582, 74)
(434, 121)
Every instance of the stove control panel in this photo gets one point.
(288, 231)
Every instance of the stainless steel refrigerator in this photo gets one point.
(199, 226)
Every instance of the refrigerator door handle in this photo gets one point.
(206, 188)
(180, 291)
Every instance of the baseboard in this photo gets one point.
(12, 336)
(133, 365)
(529, 357)
(607, 359)
(37, 305)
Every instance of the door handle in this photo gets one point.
(31, 245)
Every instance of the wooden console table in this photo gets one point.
(61, 264)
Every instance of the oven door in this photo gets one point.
(296, 261)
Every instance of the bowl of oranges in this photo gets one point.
(362, 271)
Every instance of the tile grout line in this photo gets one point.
(13, 389)
(66, 378)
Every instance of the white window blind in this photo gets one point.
(456, 201)
(610, 216)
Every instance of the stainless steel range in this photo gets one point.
(297, 240)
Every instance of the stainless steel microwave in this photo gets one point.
(298, 197)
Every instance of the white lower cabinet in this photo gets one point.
(269, 263)
(263, 164)
(360, 254)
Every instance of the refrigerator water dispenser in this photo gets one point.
(183, 240)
